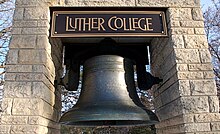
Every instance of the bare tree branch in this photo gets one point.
(212, 28)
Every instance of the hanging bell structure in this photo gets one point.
(108, 96)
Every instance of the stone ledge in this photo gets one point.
(171, 3)
(100, 3)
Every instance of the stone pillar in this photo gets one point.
(31, 103)
(186, 102)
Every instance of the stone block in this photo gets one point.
(18, 68)
(151, 3)
(200, 67)
(14, 120)
(173, 14)
(178, 120)
(173, 24)
(22, 106)
(100, 2)
(194, 104)
(18, 41)
(34, 3)
(12, 56)
(157, 100)
(49, 112)
(181, 67)
(44, 130)
(167, 83)
(10, 76)
(42, 69)
(182, 31)
(43, 42)
(189, 75)
(170, 94)
(19, 14)
(34, 107)
(185, 3)
(177, 41)
(40, 90)
(20, 24)
(179, 88)
(185, 14)
(200, 31)
(192, 24)
(184, 87)
(17, 89)
(207, 117)
(35, 13)
(203, 87)
(205, 56)
(43, 23)
(6, 106)
(1, 94)
(37, 120)
(197, 14)
(171, 130)
(5, 129)
(36, 31)
(206, 132)
(164, 67)
(196, 127)
(37, 77)
(208, 75)
(171, 3)
(215, 126)
(214, 104)
(25, 129)
(32, 56)
(49, 71)
(157, 46)
(195, 41)
(187, 56)
(170, 110)
(16, 31)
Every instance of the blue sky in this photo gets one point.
(205, 3)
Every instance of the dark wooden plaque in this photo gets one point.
(108, 24)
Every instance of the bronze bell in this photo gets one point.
(108, 96)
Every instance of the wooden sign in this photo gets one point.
(108, 24)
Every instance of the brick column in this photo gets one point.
(31, 104)
(186, 102)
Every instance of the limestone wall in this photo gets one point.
(1, 95)
(31, 104)
(185, 102)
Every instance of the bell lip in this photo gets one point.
(139, 118)
(85, 124)
(70, 117)
(120, 122)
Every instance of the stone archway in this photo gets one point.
(186, 102)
